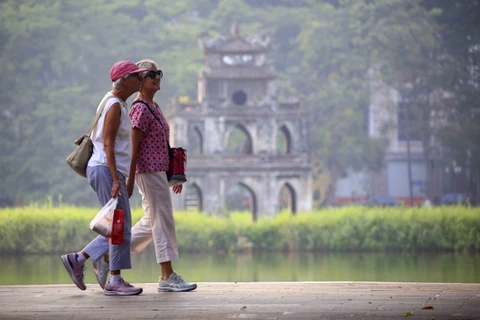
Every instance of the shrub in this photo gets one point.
(65, 228)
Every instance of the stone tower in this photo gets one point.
(238, 133)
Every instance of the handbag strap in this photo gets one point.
(97, 116)
(170, 153)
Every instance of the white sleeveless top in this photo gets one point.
(122, 147)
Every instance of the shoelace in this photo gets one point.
(179, 279)
(79, 274)
(104, 268)
(126, 283)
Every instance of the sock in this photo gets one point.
(114, 278)
(80, 257)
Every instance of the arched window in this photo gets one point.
(193, 198)
(195, 142)
(287, 199)
(241, 198)
(284, 141)
(239, 141)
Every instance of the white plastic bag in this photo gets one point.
(102, 223)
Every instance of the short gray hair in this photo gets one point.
(146, 64)
(118, 84)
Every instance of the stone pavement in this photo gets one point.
(255, 300)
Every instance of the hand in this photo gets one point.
(116, 188)
(130, 186)
(177, 188)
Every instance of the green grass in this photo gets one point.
(47, 229)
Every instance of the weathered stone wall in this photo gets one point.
(236, 90)
(263, 173)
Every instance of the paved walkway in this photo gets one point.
(256, 300)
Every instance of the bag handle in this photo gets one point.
(170, 152)
(97, 116)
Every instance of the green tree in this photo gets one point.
(55, 57)
(334, 59)
(459, 76)
(408, 62)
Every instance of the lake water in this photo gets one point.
(420, 267)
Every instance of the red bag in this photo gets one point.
(118, 227)
(177, 166)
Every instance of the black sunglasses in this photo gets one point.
(153, 74)
(134, 75)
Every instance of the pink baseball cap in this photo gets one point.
(122, 68)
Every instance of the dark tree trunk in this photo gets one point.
(332, 185)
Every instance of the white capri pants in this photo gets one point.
(157, 222)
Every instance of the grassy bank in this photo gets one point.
(64, 229)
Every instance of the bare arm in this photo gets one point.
(137, 136)
(110, 129)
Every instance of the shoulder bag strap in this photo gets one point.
(146, 104)
(97, 116)
(170, 153)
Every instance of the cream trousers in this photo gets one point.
(157, 222)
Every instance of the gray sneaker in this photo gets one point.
(175, 283)
(75, 269)
(121, 288)
(101, 269)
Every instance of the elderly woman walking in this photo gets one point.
(106, 172)
(150, 161)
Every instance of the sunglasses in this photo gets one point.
(133, 75)
(153, 74)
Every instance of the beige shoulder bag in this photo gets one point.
(78, 159)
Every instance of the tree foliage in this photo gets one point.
(55, 57)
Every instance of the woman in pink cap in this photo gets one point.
(106, 172)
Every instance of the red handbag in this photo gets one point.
(177, 166)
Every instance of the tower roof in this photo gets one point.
(235, 43)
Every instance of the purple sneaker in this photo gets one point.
(121, 288)
(75, 269)
(100, 267)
